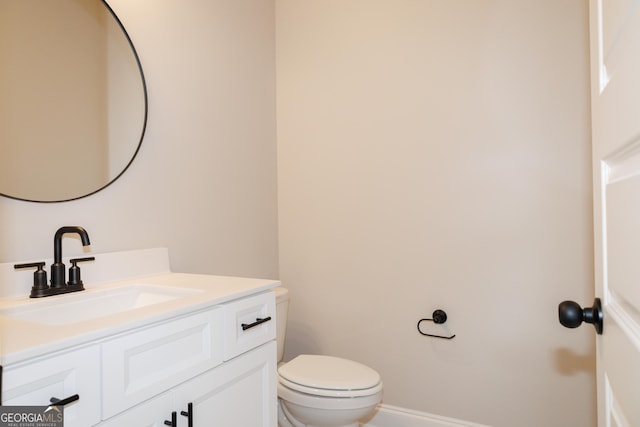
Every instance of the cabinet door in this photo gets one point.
(240, 393)
(61, 375)
(152, 413)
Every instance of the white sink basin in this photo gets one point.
(86, 305)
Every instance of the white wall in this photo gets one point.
(437, 155)
(204, 182)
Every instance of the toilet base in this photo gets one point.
(325, 419)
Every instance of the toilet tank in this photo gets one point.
(282, 306)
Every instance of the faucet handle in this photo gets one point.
(74, 270)
(39, 277)
(77, 260)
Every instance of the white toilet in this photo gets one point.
(322, 391)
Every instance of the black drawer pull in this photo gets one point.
(174, 420)
(258, 321)
(189, 414)
(57, 402)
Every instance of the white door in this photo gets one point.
(615, 100)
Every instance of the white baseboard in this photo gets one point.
(393, 416)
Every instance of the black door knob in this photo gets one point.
(571, 315)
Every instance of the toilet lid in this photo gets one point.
(329, 375)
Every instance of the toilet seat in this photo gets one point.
(329, 376)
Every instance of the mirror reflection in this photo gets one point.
(72, 99)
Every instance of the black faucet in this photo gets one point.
(57, 268)
(58, 285)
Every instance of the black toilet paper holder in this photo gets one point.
(438, 317)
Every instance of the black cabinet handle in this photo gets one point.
(189, 414)
(258, 321)
(174, 420)
(57, 402)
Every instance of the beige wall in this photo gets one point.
(436, 154)
(204, 182)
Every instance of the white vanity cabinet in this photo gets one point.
(212, 366)
(238, 391)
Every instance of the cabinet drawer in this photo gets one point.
(141, 364)
(248, 323)
(59, 375)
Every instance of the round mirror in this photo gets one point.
(73, 100)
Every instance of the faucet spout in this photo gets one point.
(57, 268)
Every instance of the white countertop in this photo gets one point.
(21, 340)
